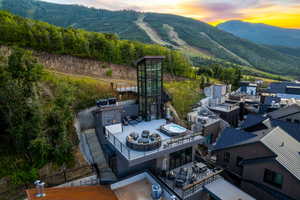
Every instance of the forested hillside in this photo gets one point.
(192, 37)
(37, 109)
(41, 36)
(287, 50)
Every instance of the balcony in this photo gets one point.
(190, 179)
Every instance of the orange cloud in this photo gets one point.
(268, 12)
(283, 13)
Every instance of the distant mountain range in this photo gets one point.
(263, 34)
(192, 37)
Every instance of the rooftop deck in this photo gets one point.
(118, 139)
(74, 193)
(137, 187)
(142, 191)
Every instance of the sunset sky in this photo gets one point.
(283, 13)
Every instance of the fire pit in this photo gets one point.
(145, 142)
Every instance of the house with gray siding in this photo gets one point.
(265, 164)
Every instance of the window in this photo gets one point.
(289, 120)
(273, 178)
(238, 160)
(297, 121)
(226, 157)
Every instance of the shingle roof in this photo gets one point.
(252, 120)
(286, 148)
(231, 137)
(284, 112)
(293, 129)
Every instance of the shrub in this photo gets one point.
(108, 73)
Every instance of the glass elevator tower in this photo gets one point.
(150, 85)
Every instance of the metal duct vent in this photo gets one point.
(40, 188)
(156, 192)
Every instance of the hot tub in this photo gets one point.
(173, 129)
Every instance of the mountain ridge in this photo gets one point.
(256, 32)
(190, 31)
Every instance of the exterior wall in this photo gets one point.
(107, 116)
(110, 117)
(123, 168)
(249, 151)
(251, 90)
(163, 162)
(130, 110)
(231, 117)
(212, 129)
(255, 172)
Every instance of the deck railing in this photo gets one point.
(198, 185)
(166, 144)
(190, 189)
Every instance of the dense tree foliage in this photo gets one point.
(200, 62)
(229, 75)
(34, 132)
(37, 35)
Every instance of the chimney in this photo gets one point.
(39, 188)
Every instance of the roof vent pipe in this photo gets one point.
(39, 188)
(173, 197)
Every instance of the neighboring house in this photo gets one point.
(289, 113)
(263, 123)
(217, 93)
(228, 111)
(204, 121)
(265, 163)
(248, 88)
(217, 102)
(270, 103)
(286, 90)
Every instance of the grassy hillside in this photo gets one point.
(184, 95)
(190, 36)
(86, 90)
